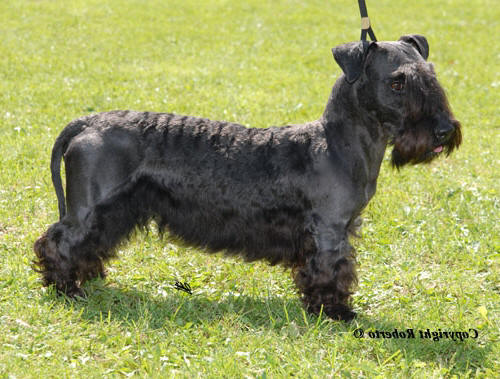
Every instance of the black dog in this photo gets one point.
(289, 195)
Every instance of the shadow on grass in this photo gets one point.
(126, 305)
(284, 316)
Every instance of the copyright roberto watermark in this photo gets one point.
(427, 334)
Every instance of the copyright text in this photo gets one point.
(427, 334)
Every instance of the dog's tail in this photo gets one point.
(69, 132)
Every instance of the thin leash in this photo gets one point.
(366, 27)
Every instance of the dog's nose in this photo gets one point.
(444, 131)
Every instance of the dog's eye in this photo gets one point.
(397, 85)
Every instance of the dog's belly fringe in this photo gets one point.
(276, 235)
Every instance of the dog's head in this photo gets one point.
(396, 85)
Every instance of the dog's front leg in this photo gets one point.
(326, 278)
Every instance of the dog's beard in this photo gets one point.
(417, 145)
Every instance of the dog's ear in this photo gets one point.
(419, 42)
(351, 58)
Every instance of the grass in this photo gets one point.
(429, 256)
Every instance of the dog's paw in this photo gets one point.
(340, 312)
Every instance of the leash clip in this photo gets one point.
(365, 23)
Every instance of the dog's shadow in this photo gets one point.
(285, 316)
(170, 307)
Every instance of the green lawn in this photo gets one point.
(429, 253)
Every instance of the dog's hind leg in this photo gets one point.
(54, 260)
(68, 255)
(110, 222)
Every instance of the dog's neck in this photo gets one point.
(352, 131)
